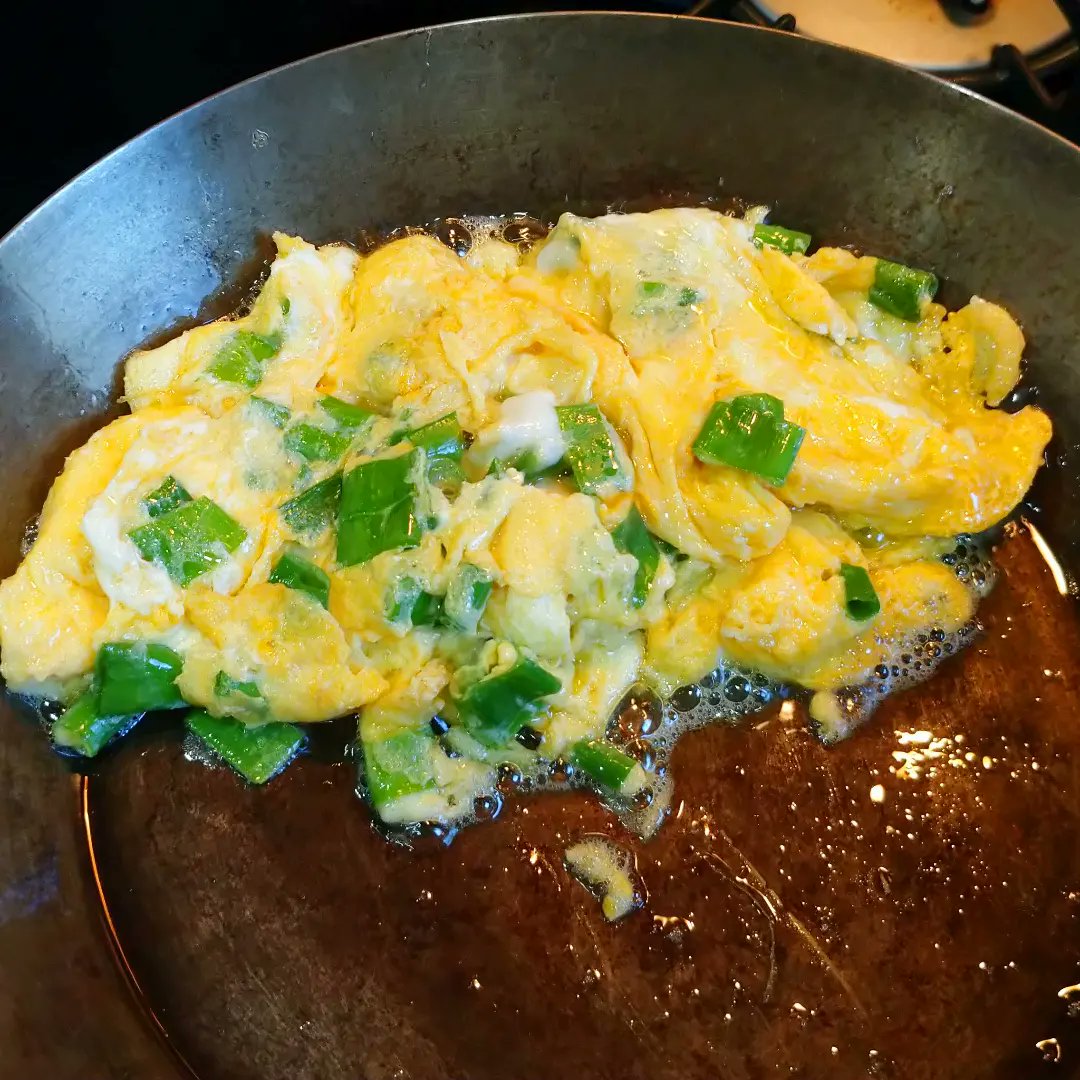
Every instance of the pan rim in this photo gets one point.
(946, 89)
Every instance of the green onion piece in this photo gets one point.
(258, 754)
(225, 685)
(590, 449)
(901, 290)
(190, 540)
(444, 442)
(608, 766)
(466, 597)
(83, 728)
(137, 676)
(428, 610)
(445, 473)
(456, 740)
(860, 599)
(688, 296)
(286, 305)
(766, 404)
(312, 510)
(561, 470)
(296, 572)
(400, 600)
(789, 241)
(316, 444)
(652, 288)
(167, 496)
(440, 438)
(631, 536)
(240, 360)
(398, 766)
(346, 416)
(278, 415)
(691, 576)
(749, 433)
(494, 708)
(378, 509)
(527, 463)
(407, 604)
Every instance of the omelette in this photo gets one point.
(473, 500)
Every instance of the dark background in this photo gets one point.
(76, 81)
(79, 79)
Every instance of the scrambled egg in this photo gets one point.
(652, 318)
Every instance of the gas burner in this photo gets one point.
(953, 38)
(1023, 53)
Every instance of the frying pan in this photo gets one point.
(904, 905)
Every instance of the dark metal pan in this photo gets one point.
(795, 927)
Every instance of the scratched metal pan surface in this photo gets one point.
(904, 905)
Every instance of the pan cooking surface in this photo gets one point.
(859, 910)
(908, 897)
(898, 906)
